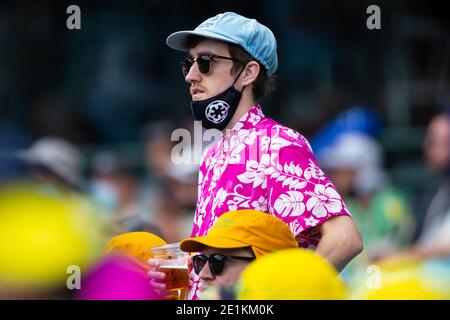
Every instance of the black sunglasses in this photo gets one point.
(203, 62)
(216, 262)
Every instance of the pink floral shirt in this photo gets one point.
(262, 165)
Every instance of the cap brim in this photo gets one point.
(25, 155)
(199, 244)
(177, 40)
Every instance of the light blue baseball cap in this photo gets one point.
(231, 27)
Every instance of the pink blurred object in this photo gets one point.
(117, 277)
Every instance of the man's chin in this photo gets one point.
(211, 292)
(199, 97)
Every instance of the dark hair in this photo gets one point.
(263, 84)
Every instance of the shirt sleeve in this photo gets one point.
(300, 193)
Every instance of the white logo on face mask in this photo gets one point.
(217, 111)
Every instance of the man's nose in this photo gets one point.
(206, 274)
(193, 74)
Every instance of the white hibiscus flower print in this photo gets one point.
(277, 143)
(324, 200)
(254, 118)
(242, 134)
(264, 143)
(314, 171)
(216, 174)
(198, 220)
(202, 205)
(290, 175)
(200, 177)
(250, 139)
(220, 197)
(234, 142)
(249, 175)
(259, 111)
(238, 126)
(260, 204)
(295, 227)
(237, 202)
(235, 155)
(235, 159)
(255, 172)
(291, 133)
(311, 221)
(290, 204)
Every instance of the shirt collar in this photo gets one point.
(242, 128)
(250, 119)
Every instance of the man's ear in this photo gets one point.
(250, 73)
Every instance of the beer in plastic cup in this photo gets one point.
(174, 263)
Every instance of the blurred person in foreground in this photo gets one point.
(256, 163)
(236, 239)
(121, 274)
(116, 276)
(305, 275)
(47, 240)
(406, 280)
(136, 244)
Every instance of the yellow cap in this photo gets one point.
(135, 244)
(261, 231)
(293, 274)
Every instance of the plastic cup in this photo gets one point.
(174, 263)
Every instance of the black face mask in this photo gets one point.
(216, 112)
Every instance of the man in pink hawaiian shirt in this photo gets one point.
(258, 163)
